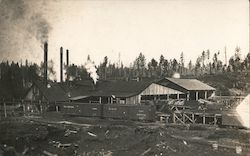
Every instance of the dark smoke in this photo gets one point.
(22, 28)
(40, 28)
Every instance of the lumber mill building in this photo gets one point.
(121, 92)
(117, 91)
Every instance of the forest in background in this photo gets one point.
(16, 77)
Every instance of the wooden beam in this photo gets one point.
(178, 119)
(186, 116)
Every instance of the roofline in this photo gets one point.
(188, 89)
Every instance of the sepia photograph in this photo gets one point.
(124, 77)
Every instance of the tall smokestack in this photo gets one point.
(67, 64)
(45, 76)
(67, 57)
(61, 64)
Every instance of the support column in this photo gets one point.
(139, 99)
(111, 100)
(204, 119)
(196, 95)
(100, 100)
(167, 96)
(193, 117)
(57, 109)
(155, 97)
(188, 96)
(215, 120)
(178, 96)
(213, 92)
(205, 94)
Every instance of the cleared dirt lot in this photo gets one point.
(54, 134)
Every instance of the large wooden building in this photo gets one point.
(121, 92)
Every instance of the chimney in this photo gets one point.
(45, 76)
(61, 64)
(67, 64)
(67, 57)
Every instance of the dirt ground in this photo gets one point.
(54, 134)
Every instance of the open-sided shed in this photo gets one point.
(193, 88)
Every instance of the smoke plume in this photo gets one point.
(176, 75)
(91, 69)
(22, 29)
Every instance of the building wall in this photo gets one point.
(134, 99)
(153, 89)
(156, 89)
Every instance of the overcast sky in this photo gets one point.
(106, 28)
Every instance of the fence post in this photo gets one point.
(5, 112)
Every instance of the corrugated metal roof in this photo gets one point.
(191, 84)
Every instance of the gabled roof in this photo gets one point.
(120, 88)
(52, 93)
(190, 84)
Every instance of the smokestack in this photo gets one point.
(61, 64)
(67, 64)
(67, 57)
(45, 63)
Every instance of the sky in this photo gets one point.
(102, 28)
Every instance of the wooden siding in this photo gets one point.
(133, 99)
(155, 89)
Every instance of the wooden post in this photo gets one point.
(188, 96)
(155, 98)
(205, 94)
(204, 119)
(193, 117)
(215, 120)
(5, 112)
(178, 96)
(173, 117)
(57, 109)
(167, 96)
(100, 100)
(196, 95)
(111, 100)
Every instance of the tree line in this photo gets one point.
(16, 78)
